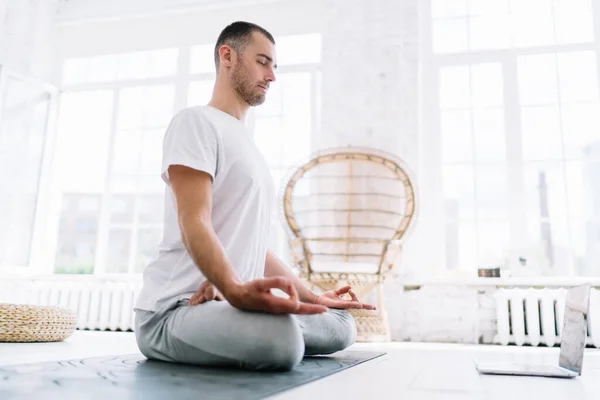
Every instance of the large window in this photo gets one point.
(518, 134)
(112, 118)
(24, 112)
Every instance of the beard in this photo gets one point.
(245, 87)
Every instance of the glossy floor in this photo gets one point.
(408, 370)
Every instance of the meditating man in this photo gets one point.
(219, 199)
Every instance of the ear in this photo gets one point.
(226, 54)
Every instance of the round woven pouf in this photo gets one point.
(28, 323)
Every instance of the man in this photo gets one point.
(217, 217)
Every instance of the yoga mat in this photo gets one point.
(135, 377)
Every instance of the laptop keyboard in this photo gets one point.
(543, 369)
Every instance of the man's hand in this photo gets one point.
(206, 292)
(256, 296)
(332, 299)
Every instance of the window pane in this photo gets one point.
(491, 190)
(299, 49)
(126, 153)
(450, 35)
(581, 128)
(464, 245)
(578, 76)
(548, 246)
(448, 8)
(455, 88)
(493, 243)
(457, 141)
(489, 32)
(146, 106)
(278, 175)
(16, 229)
(150, 184)
(74, 70)
(585, 239)
(488, 128)
(487, 85)
(131, 108)
(297, 122)
(151, 209)
(121, 209)
(158, 106)
(151, 152)
(537, 79)
(488, 8)
(268, 136)
(102, 69)
(82, 143)
(117, 258)
(524, 13)
(574, 21)
(78, 230)
(540, 133)
(162, 62)
(202, 59)
(544, 185)
(583, 188)
(200, 92)
(23, 116)
(459, 191)
(132, 65)
(147, 247)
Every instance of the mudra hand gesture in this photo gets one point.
(333, 299)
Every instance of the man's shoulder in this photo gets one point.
(192, 112)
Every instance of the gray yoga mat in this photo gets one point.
(135, 377)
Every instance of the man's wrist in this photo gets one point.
(231, 289)
(313, 297)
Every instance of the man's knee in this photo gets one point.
(345, 334)
(283, 347)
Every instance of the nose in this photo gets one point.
(270, 77)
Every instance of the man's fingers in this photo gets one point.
(308, 308)
(219, 297)
(342, 290)
(210, 293)
(369, 307)
(280, 305)
(197, 300)
(347, 304)
(353, 295)
(276, 282)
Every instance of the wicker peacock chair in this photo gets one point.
(347, 212)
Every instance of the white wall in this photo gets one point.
(26, 36)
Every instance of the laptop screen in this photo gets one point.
(574, 331)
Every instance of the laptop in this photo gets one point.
(572, 346)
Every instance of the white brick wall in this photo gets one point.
(26, 43)
(445, 313)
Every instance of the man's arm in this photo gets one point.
(275, 267)
(193, 195)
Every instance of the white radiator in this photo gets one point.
(535, 316)
(100, 303)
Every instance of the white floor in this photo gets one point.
(409, 370)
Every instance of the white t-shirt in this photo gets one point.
(210, 140)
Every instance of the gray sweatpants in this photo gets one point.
(217, 334)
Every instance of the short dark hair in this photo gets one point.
(237, 35)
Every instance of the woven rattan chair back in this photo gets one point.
(348, 206)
